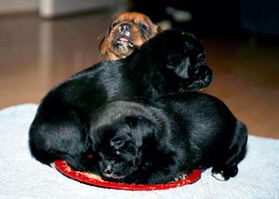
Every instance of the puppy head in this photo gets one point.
(127, 32)
(182, 60)
(118, 147)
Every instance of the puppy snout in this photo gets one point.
(108, 170)
(125, 27)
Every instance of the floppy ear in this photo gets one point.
(180, 66)
(132, 120)
(159, 29)
(103, 46)
(155, 29)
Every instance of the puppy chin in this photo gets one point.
(123, 48)
(114, 177)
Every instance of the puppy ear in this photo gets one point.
(132, 121)
(155, 29)
(180, 66)
(103, 46)
(159, 29)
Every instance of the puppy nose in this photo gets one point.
(125, 27)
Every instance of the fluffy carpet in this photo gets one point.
(22, 176)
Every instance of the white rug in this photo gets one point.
(21, 176)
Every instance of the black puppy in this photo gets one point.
(170, 62)
(154, 142)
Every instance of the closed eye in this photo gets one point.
(143, 27)
(131, 149)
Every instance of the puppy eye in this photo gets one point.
(143, 27)
(117, 143)
(171, 63)
(131, 149)
(117, 152)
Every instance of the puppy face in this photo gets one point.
(182, 60)
(128, 31)
(118, 147)
(117, 152)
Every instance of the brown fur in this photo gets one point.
(137, 36)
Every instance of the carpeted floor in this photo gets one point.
(22, 176)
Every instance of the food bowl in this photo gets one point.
(95, 180)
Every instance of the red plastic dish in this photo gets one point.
(65, 169)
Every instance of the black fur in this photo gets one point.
(148, 142)
(170, 62)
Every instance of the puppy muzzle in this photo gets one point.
(108, 173)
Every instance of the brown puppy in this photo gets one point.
(128, 31)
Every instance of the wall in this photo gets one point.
(53, 8)
(17, 6)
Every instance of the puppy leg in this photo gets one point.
(163, 175)
(163, 168)
(59, 137)
(228, 168)
(223, 172)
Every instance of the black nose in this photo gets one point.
(125, 27)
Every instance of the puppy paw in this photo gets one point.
(180, 177)
(224, 173)
(219, 175)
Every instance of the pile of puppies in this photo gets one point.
(139, 113)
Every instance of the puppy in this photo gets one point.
(170, 62)
(127, 32)
(145, 142)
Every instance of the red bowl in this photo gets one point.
(83, 177)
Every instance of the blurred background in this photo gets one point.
(43, 42)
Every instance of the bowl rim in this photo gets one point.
(66, 170)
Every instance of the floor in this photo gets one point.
(36, 54)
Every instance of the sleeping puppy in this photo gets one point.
(161, 66)
(146, 142)
(128, 31)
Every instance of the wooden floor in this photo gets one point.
(36, 54)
